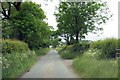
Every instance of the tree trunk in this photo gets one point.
(17, 5)
(77, 37)
(77, 29)
(67, 40)
(20, 36)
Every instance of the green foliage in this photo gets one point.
(41, 51)
(10, 46)
(55, 42)
(6, 29)
(67, 55)
(72, 51)
(16, 58)
(54, 39)
(77, 19)
(89, 67)
(67, 52)
(81, 46)
(107, 47)
(28, 25)
(60, 48)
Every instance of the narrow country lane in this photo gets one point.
(50, 66)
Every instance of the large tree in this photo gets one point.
(28, 25)
(75, 19)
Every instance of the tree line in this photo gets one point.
(26, 21)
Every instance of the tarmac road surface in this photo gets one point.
(50, 66)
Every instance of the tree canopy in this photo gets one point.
(75, 20)
(28, 25)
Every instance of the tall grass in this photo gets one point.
(17, 58)
(88, 66)
(93, 60)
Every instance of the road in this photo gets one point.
(50, 66)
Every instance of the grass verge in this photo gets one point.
(21, 66)
(88, 66)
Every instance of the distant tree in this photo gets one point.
(77, 19)
(54, 39)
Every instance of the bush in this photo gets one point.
(72, 51)
(16, 58)
(67, 52)
(41, 51)
(10, 46)
(82, 46)
(107, 47)
(68, 55)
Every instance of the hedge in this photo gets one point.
(10, 46)
(16, 58)
(82, 46)
(107, 47)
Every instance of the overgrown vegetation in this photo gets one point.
(9, 46)
(41, 51)
(25, 36)
(107, 47)
(72, 51)
(17, 58)
(89, 66)
(93, 59)
(28, 25)
(26, 21)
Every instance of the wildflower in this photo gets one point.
(89, 50)
(33, 52)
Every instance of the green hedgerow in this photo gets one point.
(107, 47)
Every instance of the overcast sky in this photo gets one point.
(110, 28)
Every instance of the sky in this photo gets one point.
(110, 29)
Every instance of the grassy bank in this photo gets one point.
(17, 70)
(95, 59)
(88, 66)
(17, 58)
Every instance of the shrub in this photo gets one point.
(72, 51)
(16, 58)
(10, 46)
(107, 47)
(67, 52)
(68, 55)
(41, 51)
(81, 46)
